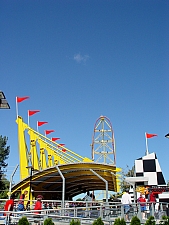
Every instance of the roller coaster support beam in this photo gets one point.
(63, 187)
(23, 153)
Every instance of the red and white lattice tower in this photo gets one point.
(103, 142)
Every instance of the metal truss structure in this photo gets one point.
(103, 142)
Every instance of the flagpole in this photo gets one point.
(16, 109)
(28, 117)
(37, 127)
(146, 144)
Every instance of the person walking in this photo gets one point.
(142, 204)
(126, 201)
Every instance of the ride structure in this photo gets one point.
(49, 168)
(103, 142)
(44, 153)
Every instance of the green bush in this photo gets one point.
(150, 221)
(135, 221)
(23, 221)
(98, 222)
(75, 222)
(48, 221)
(123, 222)
(165, 220)
(119, 221)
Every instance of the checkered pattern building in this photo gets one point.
(148, 166)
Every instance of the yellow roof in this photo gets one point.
(78, 179)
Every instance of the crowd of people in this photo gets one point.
(10, 203)
(142, 203)
(125, 200)
(21, 205)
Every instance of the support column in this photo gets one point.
(107, 211)
(63, 186)
(105, 181)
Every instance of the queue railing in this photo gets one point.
(84, 211)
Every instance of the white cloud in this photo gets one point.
(80, 58)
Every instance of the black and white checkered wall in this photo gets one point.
(148, 166)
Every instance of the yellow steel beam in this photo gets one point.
(41, 152)
(33, 150)
(23, 151)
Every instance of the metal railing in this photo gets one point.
(86, 212)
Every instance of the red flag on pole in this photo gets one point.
(150, 135)
(48, 131)
(32, 112)
(55, 139)
(60, 145)
(41, 123)
(20, 99)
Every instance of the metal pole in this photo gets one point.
(106, 208)
(31, 169)
(10, 185)
(146, 145)
(63, 186)
(30, 186)
(105, 183)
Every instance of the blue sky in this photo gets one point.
(78, 60)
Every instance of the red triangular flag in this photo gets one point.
(20, 99)
(55, 139)
(48, 131)
(63, 150)
(150, 135)
(32, 112)
(61, 145)
(41, 123)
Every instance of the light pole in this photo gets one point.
(10, 186)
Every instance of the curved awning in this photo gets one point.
(79, 178)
